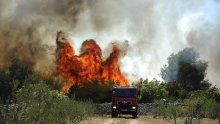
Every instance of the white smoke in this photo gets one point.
(154, 29)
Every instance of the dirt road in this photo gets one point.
(126, 119)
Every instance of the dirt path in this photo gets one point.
(126, 119)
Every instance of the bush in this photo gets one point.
(95, 91)
(5, 88)
(152, 90)
(13, 78)
(200, 106)
(50, 80)
(168, 110)
(176, 91)
(39, 104)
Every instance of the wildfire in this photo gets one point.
(88, 65)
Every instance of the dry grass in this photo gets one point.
(144, 119)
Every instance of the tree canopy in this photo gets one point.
(186, 68)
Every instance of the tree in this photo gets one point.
(19, 70)
(95, 90)
(13, 78)
(176, 90)
(186, 68)
(152, 90)
(5, 88)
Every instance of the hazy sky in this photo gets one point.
(153, 29)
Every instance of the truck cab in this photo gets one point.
(124, 100)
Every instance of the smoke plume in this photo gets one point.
(153, 29)
(28, 28)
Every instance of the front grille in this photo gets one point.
(124, 104)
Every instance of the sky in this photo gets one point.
(153, 30)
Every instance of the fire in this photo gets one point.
(88, 65)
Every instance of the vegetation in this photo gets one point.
(95, 91)
(13, 78)
(168, 111)
(39, 104)
(186, 69)
(184, 76)
(30, 97)
(152, 90)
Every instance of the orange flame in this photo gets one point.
(88, 65)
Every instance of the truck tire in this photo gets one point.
(134, 114)
(114, 114)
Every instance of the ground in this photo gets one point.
(143, 119)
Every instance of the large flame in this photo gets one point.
(88, 65)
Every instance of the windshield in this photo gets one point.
(124, 92)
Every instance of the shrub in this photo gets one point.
(39, 104)
(95, 91)
(152, 90)
(168, 110)
(201, 106)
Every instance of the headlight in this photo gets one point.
(133, 107)
(114, 107)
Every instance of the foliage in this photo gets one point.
(36, 102)
(13, 78)
(152, 90)
(213, 92)
(19, 73)
(201, 104)
(95, 91)
(168, 110)
(5, 88)
(186, 69)
(51, 81)
(39, 104)
(19, 70)
(176, 90)
(32, 99)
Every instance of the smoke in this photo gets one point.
(206, 41)
(28, 28)
(153, 29)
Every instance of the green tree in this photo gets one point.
(175, 90)
(186, 69)
(5, 87)
(152, 90)
(93, 90)
(13, 78)
(19, 70)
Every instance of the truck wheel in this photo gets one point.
(114, 114)
(134, 114)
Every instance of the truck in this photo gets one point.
(124, 100)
